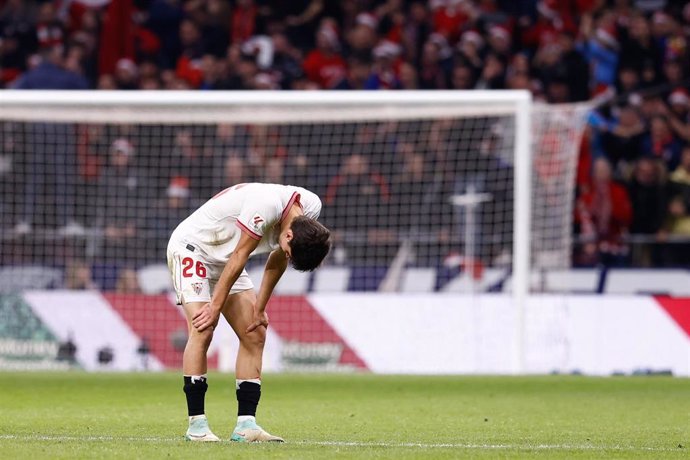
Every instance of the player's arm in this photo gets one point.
(208, 315)
(275, 267)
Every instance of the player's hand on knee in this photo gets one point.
(260, 319)
(206, 317)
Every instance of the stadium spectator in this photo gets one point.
(274, 171)
(234, 171)
(408, 76)
(188, 66)
(265, 144)
(126, 74)
(550, 20)
(287, 61)
(600, 48)
(106, 82)
(49, 30)
(680, 178)
(493, 74)
(678, 113)
(356, 202)
(301, 18)
(189, 159)
(409, 188)
(384, 74)
(463, 77)
(648, 196)
(469, 50)
(123, 194)
(662, 143)
(127, 282)
(678, 220)
(413, 33)
(243, 21)
(679, 102)
(604, 215)
(640, 51)
(49, 73)
(623, 143)
(363, 36)
(676, 224)
(165, 214)
(435, 62)
(500, 41)
(674, 74)
(324, 65)
(356, 75)
(78, 276)
(571, 68)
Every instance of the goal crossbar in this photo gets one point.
(256, 107)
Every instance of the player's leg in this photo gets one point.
(194, 360)
(192, 293)
(194, 367)
(238, 311)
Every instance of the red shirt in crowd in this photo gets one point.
(326, 70)
(606, 213)
(448, 21)
(242, 23)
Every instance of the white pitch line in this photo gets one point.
(419, 445)
(481, 446)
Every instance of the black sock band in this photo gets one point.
(196, 392)
(248, 396)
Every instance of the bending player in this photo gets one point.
(207, 254)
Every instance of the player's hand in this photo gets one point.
(260, 319)
(206, 317)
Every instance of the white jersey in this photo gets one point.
(254, 208)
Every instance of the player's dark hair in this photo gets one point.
(310, 243)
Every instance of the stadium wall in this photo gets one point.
(381, 333)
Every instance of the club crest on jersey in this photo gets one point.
(257, 220)
(197, 287)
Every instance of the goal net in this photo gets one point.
(422, 191)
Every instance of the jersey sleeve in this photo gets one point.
(256, 217)
(311, 204)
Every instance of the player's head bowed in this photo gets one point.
(310, 243)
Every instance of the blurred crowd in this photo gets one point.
(128, 186)
(567, 50)
(634, 174)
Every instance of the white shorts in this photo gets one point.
(194, 278)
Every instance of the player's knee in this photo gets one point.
(255, 339)
(203, 338)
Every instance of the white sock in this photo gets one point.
(238, 381)
(246, 418)
(196, 417)
(197, 377)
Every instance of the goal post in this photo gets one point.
(386, 165)
(521, 231)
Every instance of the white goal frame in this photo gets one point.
(255, 107)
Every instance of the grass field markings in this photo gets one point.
(482, 446)
(419, 445)
(41, 437)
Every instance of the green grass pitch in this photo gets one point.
(80, 415)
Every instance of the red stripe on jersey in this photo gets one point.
(293, 199)
(246, 230)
